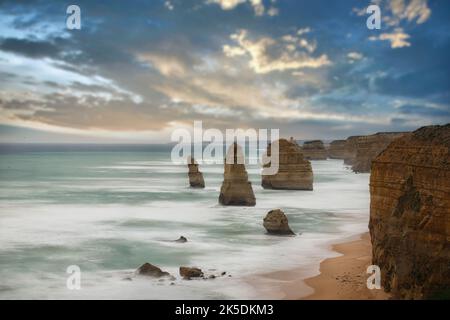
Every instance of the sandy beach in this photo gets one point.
(341, 278)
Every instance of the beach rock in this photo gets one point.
(181, 240)
(188, 273)
(294, 172)
(337, 149)
(276, 222)
(368, 147)
(410, 214)
(314, 150)
(195, 176)
(236, 190)
(150, 270)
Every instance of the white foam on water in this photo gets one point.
(40, 239)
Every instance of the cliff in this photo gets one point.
(337, 149)
(350, 149)
(294, 172)
(368, 147)
(236, 190)
(314, 150)
(410, 214)
(195, 176)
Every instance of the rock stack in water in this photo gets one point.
(294, 172)
(314, 150)
(236, 190)
(195, 176)
(410, 214)
(368, 147)
(337, 149)
(277, 223)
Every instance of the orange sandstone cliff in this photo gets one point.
(410, 214)
(337, 149)
(368, 147)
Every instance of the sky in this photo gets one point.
(138, 70)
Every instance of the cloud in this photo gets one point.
(425, 110)
(353, 56)
(398, 38)
(413, 10)
(30, 48)
(268, 54)
(397, 15)
(258, 6)
(169, 5)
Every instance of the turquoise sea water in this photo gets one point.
(110, 211)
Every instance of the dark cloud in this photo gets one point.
(421, 110)
(30, 48)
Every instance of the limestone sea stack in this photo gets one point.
(294, 172)
(195, 176)
(277, 223)
(368, 147)
(314, 150)
(236, 190)
(410, 214)
(337, 149)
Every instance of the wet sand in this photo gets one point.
(341, 278)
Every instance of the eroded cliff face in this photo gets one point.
(368, 147)
(410, 214)
(350, 149)
(294, 172)
(236, 190)
(314, 150)
(337, 149)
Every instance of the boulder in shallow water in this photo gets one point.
(147, 269)
(276, 222)
(188, 273)
(181, 240)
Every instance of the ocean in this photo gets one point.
(109, 209)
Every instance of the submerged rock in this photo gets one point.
(195, 176)
(147, 269)
(410, 214)
(314, 150)
(181, 240)
(188, 273)
(236, 190)
(294, 172)
(277, 223)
